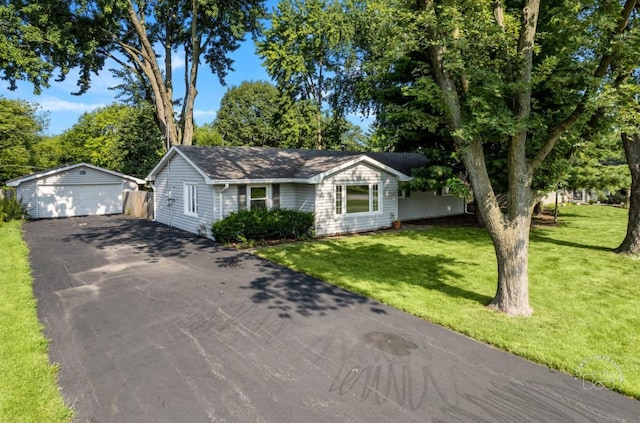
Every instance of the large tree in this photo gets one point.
(257, 114)
(309, 50)
(118, 137)
(631, 242)
(510, 78)
(144, 38)
(630, 134)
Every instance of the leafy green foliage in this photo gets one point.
(256, 114)
(20, 131)
(207, 135)
(141, 37)
(28, 392)
(263, 225)
(11, 209)
(41, 37)
(117, 137)
(309, 50)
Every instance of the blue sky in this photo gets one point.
(64, 109)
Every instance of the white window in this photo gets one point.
(258, 197)
(338, 199)
(191, 199)
(357, 198)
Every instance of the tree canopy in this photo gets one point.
(142, 37)
(256, 114)
(509, 81)
(118, 137)
(310, 52)
(21, 130)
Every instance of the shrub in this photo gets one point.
(11, 209)
(263, 225)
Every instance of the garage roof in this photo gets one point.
(17, 181)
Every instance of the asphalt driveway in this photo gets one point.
(150, 324)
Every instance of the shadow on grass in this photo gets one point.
(373, 268)
(538, 237)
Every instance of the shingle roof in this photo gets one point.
(225, 163)
(53, 170)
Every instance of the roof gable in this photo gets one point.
(225, 164)
(48, 172)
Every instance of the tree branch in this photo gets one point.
(498, 13)
(603, 66)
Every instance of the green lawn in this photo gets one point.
(28, 390)
(586, 304)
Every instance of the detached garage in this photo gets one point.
(74, 190)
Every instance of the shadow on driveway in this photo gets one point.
(151, 324)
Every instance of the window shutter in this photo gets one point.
(275, 196)
(242, 197)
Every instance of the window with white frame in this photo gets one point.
(191, 199)
(258, 197)
(338, 199)
(357, 198)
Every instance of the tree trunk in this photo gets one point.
(509, 232)
(512, 251)
(537, 209)
(631, 242)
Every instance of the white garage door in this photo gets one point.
(79, 200)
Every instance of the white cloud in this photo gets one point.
(55, 104)
(177, 61)
(204, 113)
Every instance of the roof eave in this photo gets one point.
(167, 157)
(18, 181)
(249, 181)
(321, 176)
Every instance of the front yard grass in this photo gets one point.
(586, 319)
(28, 390)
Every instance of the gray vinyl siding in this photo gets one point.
(169, 188)
(287, 196)
(328, 222)
(422, 205)
(229, 200)
(26, 193)
(305, 197)
(162, 193)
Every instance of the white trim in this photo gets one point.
(45, 173)
(360, 159)
(58, 184)
(167, 157)
(344, 187)
(221, 201)
(258, 181)
(268, 199)
(188, 200)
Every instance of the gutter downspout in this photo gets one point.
(153, 189)
(221, 199)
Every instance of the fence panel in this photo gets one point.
(139, 204)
